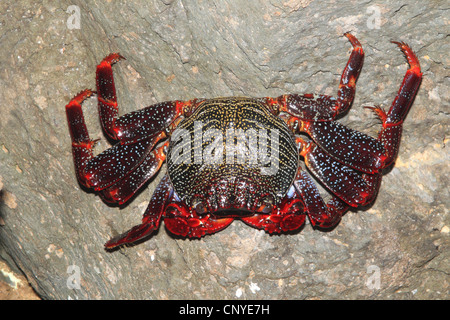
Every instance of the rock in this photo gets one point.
(53, 231)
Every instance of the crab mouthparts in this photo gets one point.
(232, 213)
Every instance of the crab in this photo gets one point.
(239, 158)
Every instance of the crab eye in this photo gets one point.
(199, 206)
(265, 205)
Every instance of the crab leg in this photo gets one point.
(356, 149)
(353, 188)
(110, 166)
(360, 151)
(147, 122)
(391, 132)
(346, 91)
(81, 143)
(320, 214)
(178, 218)
(351, 147)
(321, 107)
(137, 131)
(151, 219)
(107, 98)
(137, 125)
(121, 191)
(113, 164)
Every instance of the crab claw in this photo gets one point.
(180, 221)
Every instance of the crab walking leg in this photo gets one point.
(107, 98)
(147, 122)
(320, 214)
(346, 91)
(313, 107)
(358, 150)
(353, 148)
(81, 143)
(151, 218)
(391, 132)
(135, 125)
(110, 166)
(115, 163)
(351, 187)
(121, 191)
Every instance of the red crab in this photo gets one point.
(239, 158)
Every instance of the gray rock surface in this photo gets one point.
(53, 231)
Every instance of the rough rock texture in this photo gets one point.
(53, 231)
